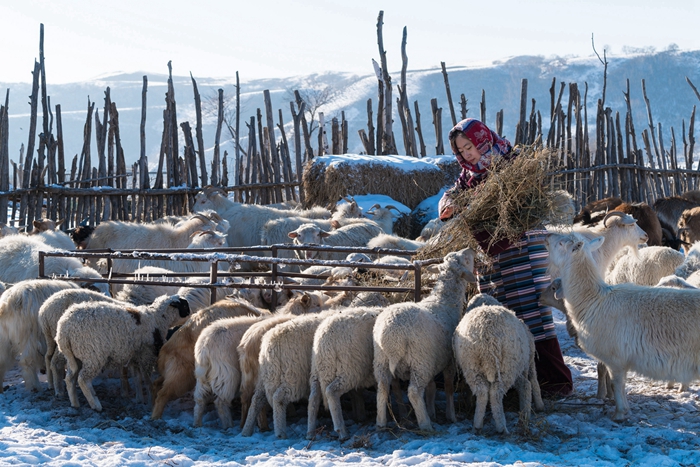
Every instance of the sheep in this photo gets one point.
(412, 340)
(284, 369)
(91, 335)
(251, 216)
(6, 230)
(691, 264)
(652, 331)
(394, 242)
(349, 235)
(19, 327)
(20, 261)
(249, 347)
(48, 315)
(430, 229)
(644, 267)
(341, 360)
(145, 294)
(496, 351)
(216, 367)
(176, 358)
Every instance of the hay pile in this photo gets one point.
(324, 185)
(516, 196)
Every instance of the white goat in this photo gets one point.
(91, 335)
(496, 351)
(20, 334)
(412, 341)
(652, 331)
(644, 267)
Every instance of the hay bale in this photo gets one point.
(517, 196)
(406, 179)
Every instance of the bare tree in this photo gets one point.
(314, 95)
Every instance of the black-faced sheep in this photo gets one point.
(92, 335)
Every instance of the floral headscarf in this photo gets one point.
(486, 141)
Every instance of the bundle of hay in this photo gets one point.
(517, 196)
(327, 179)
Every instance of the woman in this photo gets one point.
(519, 271)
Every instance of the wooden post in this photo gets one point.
(370, 147)
(296, 118)
(419, 130)
(380, 107)
(522, 125)
(449, 94)
(274, 156)
(388, 146)
(437, 124)
(198, 133)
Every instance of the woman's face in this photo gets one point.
(467, 150)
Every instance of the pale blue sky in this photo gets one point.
(259, 39)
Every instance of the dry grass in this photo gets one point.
(517, 196)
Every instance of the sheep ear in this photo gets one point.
(305, 299)
(292, 235)
(59, 222)
(335, 224)
(324, 234)
(471, 277)
(596, 243)
(36, 224)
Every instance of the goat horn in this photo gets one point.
(612, 214)
(391, 206)
(210, 190)
(377, 205)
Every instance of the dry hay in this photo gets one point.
(324, 185)
(517, 196)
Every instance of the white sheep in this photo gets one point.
(430, 229)
(249, 347)
(352, 235)
(6, 230)
(19, 260)
(650, 330)
(412, 341)
(644, 267)
(285, 367)
(20, 335)
(394, 242)
(49, 314)
(92, 335)
(145, 294)
(691, 263)
(216, 367)
(341, 360)
(176, 358)
(496, 351)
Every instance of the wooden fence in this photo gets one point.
(606, 160)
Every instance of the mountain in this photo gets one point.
(671, 98)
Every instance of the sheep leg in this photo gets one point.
(48, 356)
(605, 390)
(416, 394)
(57, 368)
(618, 385)
(535, 386)
(496, 394)
(7, 359)
(29, 362)
(449, 377)
(481, 391)
(256, 406)
(166, 393)
(71, 378)
(85, 376)
(333, 392)
(312, 410)
(124, 379)
(383, 378)
(202, 396)
(430, 391)
(223, 408)
(525, 396)
(280, 401)
(138, 386)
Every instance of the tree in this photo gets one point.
(315, 95)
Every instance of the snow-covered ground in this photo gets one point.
(662, 430)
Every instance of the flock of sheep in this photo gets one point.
(632, 308)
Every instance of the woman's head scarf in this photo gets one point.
(486, 141)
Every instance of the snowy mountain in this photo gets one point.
(671, 98)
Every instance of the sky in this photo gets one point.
(266, 39)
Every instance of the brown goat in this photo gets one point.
(689, 226)
(669, 211)
(605, 204)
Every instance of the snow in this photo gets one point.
(662, 430)
(406, 163)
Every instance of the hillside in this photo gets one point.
(671, 98)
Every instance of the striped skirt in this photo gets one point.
(518, 277)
